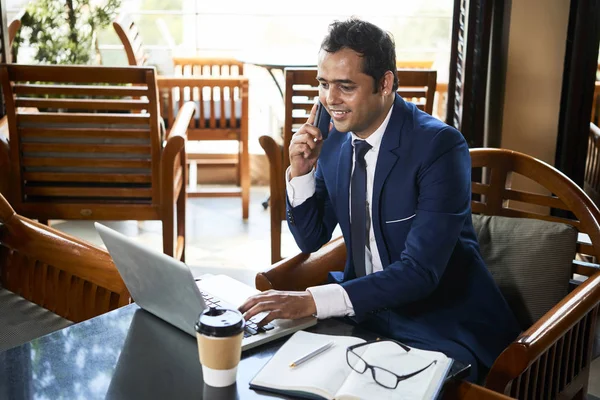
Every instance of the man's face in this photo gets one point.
(347, 93)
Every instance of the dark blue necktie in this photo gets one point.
(358, 207)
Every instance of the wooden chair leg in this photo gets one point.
(181, 210)
(168, 222)
(275, 232)
(245, 179)
(275, 243)
(239, 165)
(167, 215)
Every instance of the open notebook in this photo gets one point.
(328, 376)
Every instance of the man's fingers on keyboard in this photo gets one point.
(253, 300)
(273, 315)
(259, 317)
(260, 307)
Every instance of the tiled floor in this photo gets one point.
(594, 388)
(220, 242)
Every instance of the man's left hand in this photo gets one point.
(279, 304)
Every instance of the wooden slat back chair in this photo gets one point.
(226, 68)
(67, 276)
(221, 114)
(214, 119)
(301, 90)
(94, 150)
(550, 359)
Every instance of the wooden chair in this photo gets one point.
(67, 276)
(220, 92)
(301, 89)
(95, 150)
(552, 358)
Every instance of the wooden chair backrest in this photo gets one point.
(63, 274)
(500, 198)
(418, 87)
(13, 28)
(539, 364)
(130, 36)
(202, 66)
(95, 138)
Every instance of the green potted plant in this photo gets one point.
(64, 31)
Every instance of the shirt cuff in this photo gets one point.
(300, 188)
(331, 301)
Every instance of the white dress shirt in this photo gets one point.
(332, 300)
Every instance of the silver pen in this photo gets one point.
(310, 355)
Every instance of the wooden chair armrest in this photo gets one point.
(274, 152)
(66, 275)
(4, 158)
(66, 253)
(174, 149)
(304, 270)
(571, 317)
(462, 390)
(173, 180)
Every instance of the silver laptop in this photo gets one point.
(166, 288)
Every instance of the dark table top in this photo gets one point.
(130, 354)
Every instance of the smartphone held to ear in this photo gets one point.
(322, 120)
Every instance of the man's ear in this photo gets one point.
(386, 83)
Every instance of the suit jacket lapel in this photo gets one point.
(387, 158)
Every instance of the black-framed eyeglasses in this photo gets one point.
(381, 376)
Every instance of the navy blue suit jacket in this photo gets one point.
(434, 291)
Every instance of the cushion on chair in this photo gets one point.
(530, 261)
(206, 111)
(22, 320)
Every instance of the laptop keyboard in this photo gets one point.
(251, 328)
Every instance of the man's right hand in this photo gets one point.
(305, 147)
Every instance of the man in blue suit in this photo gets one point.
(398, 182)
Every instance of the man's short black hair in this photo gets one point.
(376, 46)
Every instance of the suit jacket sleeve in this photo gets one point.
(444, 187)
(312, 222)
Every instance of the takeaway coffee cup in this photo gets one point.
(219, 332)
